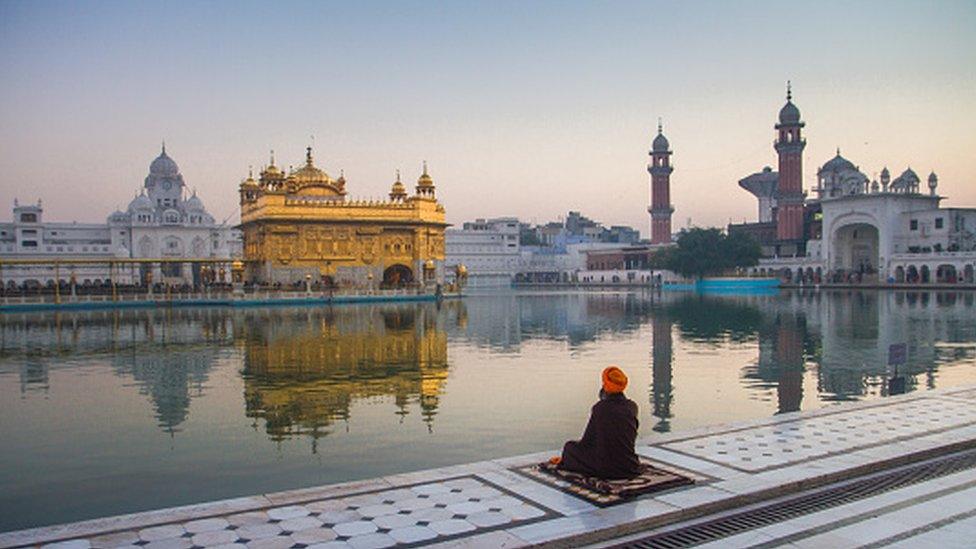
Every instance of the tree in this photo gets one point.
(703, 252)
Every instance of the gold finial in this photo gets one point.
(164, 146)
(250, 172)
(789, 91)
(272, 157)
(308, 156)
(398, 175)
(660, 128)
(425, 167)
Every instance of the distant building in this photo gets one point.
(854, 229)
(164, 222)
(161, 222)
(620, 265)
(489, 248)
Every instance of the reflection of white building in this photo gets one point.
(489, 248)
(160, 222)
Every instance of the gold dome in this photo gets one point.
(272, 171)
(309, 174)
(310, 180)
(250, 183)
(425, 180)
(398, 191)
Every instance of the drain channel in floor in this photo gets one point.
(847, 492)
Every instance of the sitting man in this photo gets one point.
(607, 447)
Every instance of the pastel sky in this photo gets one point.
(521, 108)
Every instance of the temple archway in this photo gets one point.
(967, 274)
(397, 276)
(856, 248)
(946, 273)
(912, 277)
(926, 277)
(899, 274)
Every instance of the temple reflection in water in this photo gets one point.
(303, 372)
(305, 369)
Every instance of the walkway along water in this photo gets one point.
(496, 504)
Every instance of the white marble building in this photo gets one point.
(489, 248)
(161, 222)
(887, 230)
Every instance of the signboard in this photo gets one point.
(897, 354)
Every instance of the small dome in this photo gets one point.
(909, 174)
(140, 202)
(838, 163)
(660, 143)
(249, 183)
(195, 204)
(789, 114)
(425, 180)
(933, 180)
(163, 165)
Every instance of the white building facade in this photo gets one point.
(887, 231)
(161, 222)
(489, 248)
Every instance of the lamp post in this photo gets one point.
(308, 284)
(237, 277)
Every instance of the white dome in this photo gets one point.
(140, 202)
(163, 165)
(194, 204)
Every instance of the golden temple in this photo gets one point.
(300, 227)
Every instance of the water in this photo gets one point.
(110, 412)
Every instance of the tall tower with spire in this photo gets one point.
(660, 169)
(789, 193)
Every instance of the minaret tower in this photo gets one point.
(789, 193)
(660, 169)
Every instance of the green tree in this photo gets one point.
(703, 252)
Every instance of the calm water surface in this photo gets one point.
(112, 412)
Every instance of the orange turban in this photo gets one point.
(614, 380)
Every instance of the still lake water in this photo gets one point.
(110, 412)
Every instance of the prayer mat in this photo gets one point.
(602, 492)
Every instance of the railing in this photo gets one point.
(923, 256)
(221, 296)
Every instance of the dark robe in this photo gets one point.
(607, 447)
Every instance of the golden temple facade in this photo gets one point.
(300, 227)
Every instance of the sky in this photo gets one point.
(529, 109)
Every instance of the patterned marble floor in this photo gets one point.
(424, 513)
(490, 504)
(799, 440)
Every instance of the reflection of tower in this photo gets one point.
(34, 376)
(168, 379)
(662, 358)
(789, 194)
(788, 357)
(660, 169)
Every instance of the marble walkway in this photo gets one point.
(492, 504)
